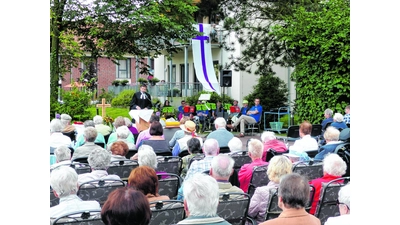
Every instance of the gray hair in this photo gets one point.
(256, 148)
(128, 122)
(220, 122)
(338, 117)
(98, 119)
(294, 190)
(147, 156)
(119, 121)
(211, 147)
(62, 153)
(65, 119)
(64, 181)
(334, 165)
(222, 165)
(56, 125)
(267, 136)
(328, 112)
(201, 195)
(235, 144)
(88, 123)
(122, 132)
(331, 134)
(344, 195)
(99, 159)
(90, 134)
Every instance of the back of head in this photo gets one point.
(90, 134)
(328, 112)
(256, 148)
(62, 153)
(331, 134)
(89, 123)
(119, 148)
(123, 132)
(64, 181)
(154, 118)
(334, 165)
(184, 119)
(279, 166)
(99, 159)
(98, 119)
(211, 147)
(306, 127)
(194, 145)
(344, 195)
(235, 144)
(156, 129)
(65, 119)
(126, 206)
(222, 166)
(201, 195)
(144, 178)
(338, 117)
(56, 125)
(267, 136)
(294, 190)
(147, 156)
(119, 121)
(128, 122)
(220, 122)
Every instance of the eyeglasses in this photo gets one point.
(341, 203)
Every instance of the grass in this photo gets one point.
(111, 112)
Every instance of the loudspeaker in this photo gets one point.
(226, 78)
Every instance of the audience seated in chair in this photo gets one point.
(278, 167)
(255, 152)
(338, 122)
(100, 126)
(147, 157)
(99, 160)
(64, 182)
(334, 167)
(144, 128)
(131, 126)
(66, 122)
(80, 140)
(63, 156)
(157, 140)
(194, 148)
(122, 135)
(126, 206)
(328, 113)
(344, 208)
(235, 145)
(144, 179)
(270, 141)
(179, 133)
(119, 121)
(220, 134)
(201, 200)
(293, 197)
(331, 137)
(119, 149)
(346, 117)
(89, 134)
(252, 116)
(190, 132)
(57, 138)
(305, 143)
(221, 169)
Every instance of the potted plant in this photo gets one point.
(175, 92)
(142, 80)
(116, 83)
(124, 82)
(153, 81)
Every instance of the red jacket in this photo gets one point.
(317, 183)
(275, 144)
(246, 171)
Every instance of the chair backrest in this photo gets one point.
(345, 135)
(316, 130)
(271, 153)
(343, 150)
(326, 206)
(169, 186)
(131, 153)
(183, 153)
(197, 157)
(310, 171)
(80, 168)
(293, 133)
(224, 149)
(259, 178)
(98, 189)
(71, 135)
(100, 144)
(170, 164)
(86, 217)
(166, 212)
(106, 137)
(122, 168)
(53, 199)
(81, 159)
(241, 158)
(233, 207)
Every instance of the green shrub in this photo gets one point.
(124, 82)
(107, 95)
(285, 118)
(116, 83)
(76, 104)
(214, 98)
(123, 99)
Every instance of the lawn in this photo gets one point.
(111, 112)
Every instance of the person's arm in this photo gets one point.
(149, 104)
(133, 103)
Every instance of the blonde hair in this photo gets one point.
(278, 166)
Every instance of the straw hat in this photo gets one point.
(189, 126)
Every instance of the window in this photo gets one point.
(124, 69)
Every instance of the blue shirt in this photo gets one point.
(258, 115)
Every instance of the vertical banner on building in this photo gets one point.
(203, 62)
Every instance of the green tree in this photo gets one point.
(113, 28)
(318, 46)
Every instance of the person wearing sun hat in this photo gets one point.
(243, 110)
(189, 128)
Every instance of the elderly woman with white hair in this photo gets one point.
(338, 121)
(66, 122)
(344, 208)
(270, 142)
(147, 157)
(100, 126)
(64, 182)
(122, 135)
(56, 137)
(331, 137)
(99, 160)
(63, 156)
(235, 145)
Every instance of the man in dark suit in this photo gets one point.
(141, 99)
